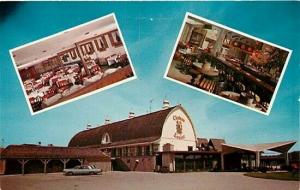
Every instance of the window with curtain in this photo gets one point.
(87, 48)
(73, 53)
(101, 43)
(115, 38)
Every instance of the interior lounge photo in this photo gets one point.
(228, 64)
(72, 63)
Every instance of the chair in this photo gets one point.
(208, 85)
(62, 85)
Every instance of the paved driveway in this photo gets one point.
(143, 180)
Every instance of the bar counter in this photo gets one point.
(238, 69)
(247, 75)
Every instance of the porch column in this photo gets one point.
(222, 161)
(87, 71)
(64, 161)
(249, 161)
(45, 162)
(23, 162)
(204, 164)
(60, 61)
(286, 157)
(194, 163)
(257, 159)
(184, 164)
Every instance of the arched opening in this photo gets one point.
(13, 167)
(34, 166)
(73, 163)
(55, 166)
(105, 138)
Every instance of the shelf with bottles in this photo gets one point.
(239, 42)
(240, 46)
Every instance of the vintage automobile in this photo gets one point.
(82, 170)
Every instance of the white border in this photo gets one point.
(238, 32)
(84, 95)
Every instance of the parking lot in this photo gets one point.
(143, 180)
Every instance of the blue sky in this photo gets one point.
(150, 30)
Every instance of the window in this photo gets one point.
(147, 151)
(65, 57)
(113, 152)
(101, 43)
(139, 151)
(133, 151)
(190, 148)
(124, 151)
(155, 147)
(114, 38)
(87, 48)
(105, 139)
(73, 53)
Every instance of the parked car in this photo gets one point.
(82, 170)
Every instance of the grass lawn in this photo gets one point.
(279, 176)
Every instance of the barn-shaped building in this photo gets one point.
(165, 138)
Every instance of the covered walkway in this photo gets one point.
(43, 159)
(233, 156)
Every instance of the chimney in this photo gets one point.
(166, 104)
(88, 126)
(131, 115)
(107, 121)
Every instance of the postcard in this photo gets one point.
(195, 119)
(72, 64)
(227, 63)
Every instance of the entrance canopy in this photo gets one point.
(280, 147)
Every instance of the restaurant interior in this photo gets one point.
(227, 64)
(72, 63)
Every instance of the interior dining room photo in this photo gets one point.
(72, 63)
(228, 64)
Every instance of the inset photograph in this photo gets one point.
(227, 64)
(73, 63)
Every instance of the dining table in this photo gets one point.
(230, 95)
(209, 73)
(187, 52)
(35, 94)
(112, 60)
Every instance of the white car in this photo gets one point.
(81, 170)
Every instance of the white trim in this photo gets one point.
(255, 149)
(129, 145)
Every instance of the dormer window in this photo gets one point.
(105, 138)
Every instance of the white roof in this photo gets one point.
(276, 146)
